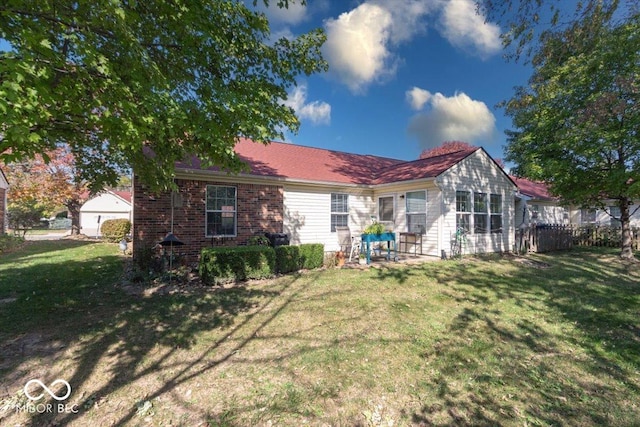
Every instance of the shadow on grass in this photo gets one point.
(584, 300)
(136, 334)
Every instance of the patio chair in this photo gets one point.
(348, 242)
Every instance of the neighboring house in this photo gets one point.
(104, 206)
(535, 205)
(610, 216)
(4, 189)
(306, 192)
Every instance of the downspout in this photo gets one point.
(440, 217)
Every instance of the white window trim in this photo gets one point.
(235, 212)
(393, 205)
(332, 213)
(471, 213)
(408, 212)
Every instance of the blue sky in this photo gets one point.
(404, 75)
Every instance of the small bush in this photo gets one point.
(8, 242)
(258, 240)
(311, 255)
(287, 259)
(114, 230)
(221, 265)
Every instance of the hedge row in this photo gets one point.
(230, 264)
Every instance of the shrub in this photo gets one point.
(24, 215)
(220, 265)
(287, 259)
(311, 255)
(258, 240)
(114, 230)
(8, 242)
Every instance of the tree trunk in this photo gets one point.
(625, 222)
(73, 206)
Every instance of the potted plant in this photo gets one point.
(375, 228)
(362, 259)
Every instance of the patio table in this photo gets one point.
(389, 237)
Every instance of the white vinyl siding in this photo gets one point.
(476, 174)
(307, 214)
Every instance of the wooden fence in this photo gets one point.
(546, 238)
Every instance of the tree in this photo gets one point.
(529, 22)
(47, 182)
(578, 122)
(144, 84)
(23, 216)
(445, 148)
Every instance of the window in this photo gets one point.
(588, 216)
(480, 213)
(385, 209)
(463, 210)
(614, 211)
(535, 211)
(416, 211)
(495, 207)
(221, 211)
(339, 211)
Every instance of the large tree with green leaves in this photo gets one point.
(117, 80)
(578, 121)
(526, 23)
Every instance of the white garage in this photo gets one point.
(104, 206)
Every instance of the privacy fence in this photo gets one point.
(550, 237)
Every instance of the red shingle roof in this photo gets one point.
(534, 189)
(125, 195)
(284, 160)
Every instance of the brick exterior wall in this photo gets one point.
(3, 210)
(259, 209)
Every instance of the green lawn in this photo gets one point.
(544, 340)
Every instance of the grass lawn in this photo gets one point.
(544, 340)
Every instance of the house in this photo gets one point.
(535, 205)
(106, 205)
(609, 216)
(306, 192)
(4, 189)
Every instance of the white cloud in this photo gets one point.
(361, 43)
(464, 28)
(292, 15)
(318, 112)
(417, 97)
(455, 118)
(357, 46)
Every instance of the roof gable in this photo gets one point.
(430, 167)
